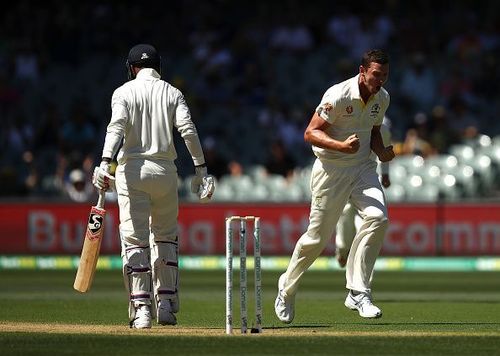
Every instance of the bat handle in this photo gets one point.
(102, 198)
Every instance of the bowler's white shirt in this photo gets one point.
(343, 108)
(144, 112)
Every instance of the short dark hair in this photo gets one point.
(374, 55)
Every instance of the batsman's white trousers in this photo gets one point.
(147, 189)
(331, 188)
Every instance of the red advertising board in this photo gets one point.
(415, 230)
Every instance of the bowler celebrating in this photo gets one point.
(343, 131)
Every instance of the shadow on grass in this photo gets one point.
(296, 326)
(420, 323)
(431, 301)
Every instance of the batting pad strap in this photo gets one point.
(139, 296)
(131, 269)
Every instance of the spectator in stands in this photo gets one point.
(78, 134)
(10, 95)
(19, 134)
(219, 166)
(79, 187)
(416, 138)
(461, 118)
(47, 136)
(343, 25)
(456, 84)
(280, 161)
(441, 134)
(218, 59)
(468, 46)
(291, 34)
(26, 63)
(418, 84)
(360, 31)
(31, 175)
(52, 184)
(235, 168)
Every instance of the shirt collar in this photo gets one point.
(355, 88)
(355, 94)
(148, 73)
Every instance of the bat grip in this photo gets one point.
(102, 198)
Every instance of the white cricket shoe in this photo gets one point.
(363, 304)
(142, 318)
(165, 313)
(284, 307)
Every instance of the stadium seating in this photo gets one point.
(412, 163)
(463, 152)
(426, 193)
(223, 192)
(395, 193)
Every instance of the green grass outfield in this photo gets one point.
(425, 313)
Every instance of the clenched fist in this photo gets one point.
(386, 154)
(351, 144)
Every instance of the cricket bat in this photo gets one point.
(91, 246)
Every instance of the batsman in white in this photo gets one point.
(350, 221)
(144, 112)
(343, 131)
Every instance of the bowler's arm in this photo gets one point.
(383, 153)
(316, 135)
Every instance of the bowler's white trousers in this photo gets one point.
(331, 187)
(349, 222)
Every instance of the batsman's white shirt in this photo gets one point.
(144, 112)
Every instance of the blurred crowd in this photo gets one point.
(252, 73)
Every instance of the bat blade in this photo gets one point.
(90, 250)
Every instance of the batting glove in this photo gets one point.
(101, 178)
(203, 184)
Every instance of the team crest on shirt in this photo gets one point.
(319, 202)
(375, 110)
(327, 107)
(349, 109)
